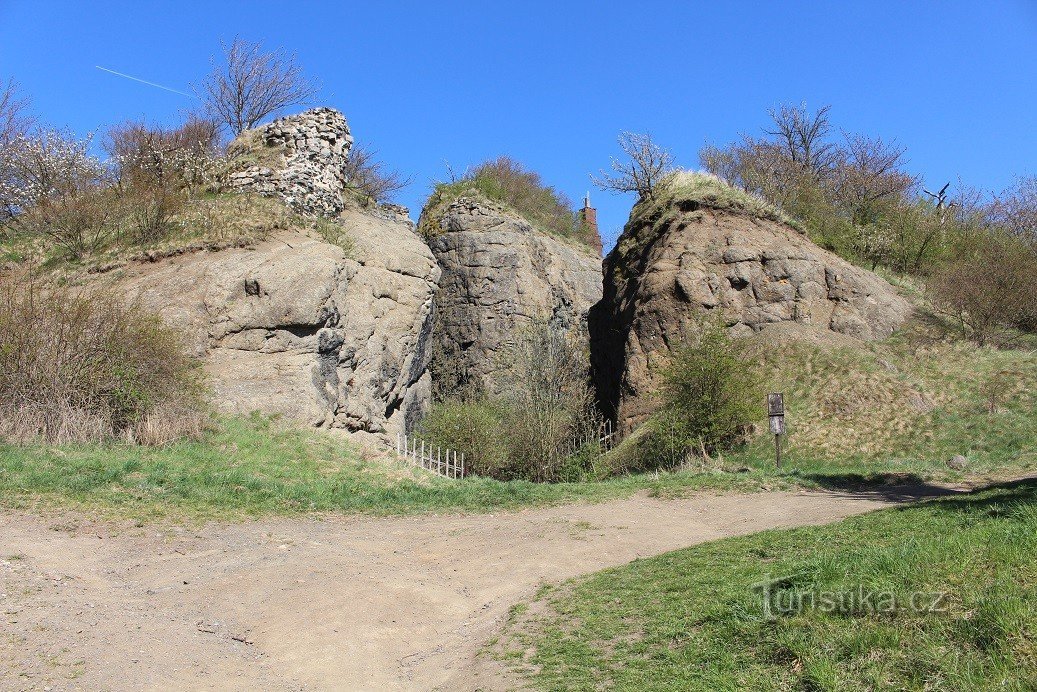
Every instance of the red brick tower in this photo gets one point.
(589, 223)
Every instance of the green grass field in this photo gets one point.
(251, 466)
(695, 619)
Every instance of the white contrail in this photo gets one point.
(144, 81)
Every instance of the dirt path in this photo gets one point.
(339, 603)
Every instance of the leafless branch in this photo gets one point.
(251, 84)
(645, 165)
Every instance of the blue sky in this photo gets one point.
(552, 83)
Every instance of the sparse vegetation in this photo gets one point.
(82, 366)
(989, 292)
(691, 192)
(505, 181)
(695, 619)
(370, 178)
(250, 84)
(645, 166)
(541, 427)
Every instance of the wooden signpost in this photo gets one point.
(776, 414)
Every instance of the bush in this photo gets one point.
(369, 178)
(710, 393)
(989, 289)
(158, 170)
(506, 181)
(542, 423)
(53, 187)
(86, 366)
(473, 427)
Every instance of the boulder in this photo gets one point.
(500, 273)
(717, 251)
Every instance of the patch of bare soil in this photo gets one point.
(329, 603)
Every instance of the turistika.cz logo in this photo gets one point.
(782, 598)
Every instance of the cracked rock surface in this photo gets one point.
(499, 274)
(755, 273)
(297, 327)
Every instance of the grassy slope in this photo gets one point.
(854, 415)
(898, 408)
(692, 620)
(251, 467)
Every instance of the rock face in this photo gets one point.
(499, 274)
(297, 327)
(671, 267)
(299, 158)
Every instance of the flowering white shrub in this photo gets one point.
(42, 167)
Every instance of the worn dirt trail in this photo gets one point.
(333, 603)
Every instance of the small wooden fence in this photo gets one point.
(604, 440)
(444, 462)
(450, 464)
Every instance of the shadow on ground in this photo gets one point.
(909, 487)
(889, 487)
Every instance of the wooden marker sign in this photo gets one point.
(776, 414)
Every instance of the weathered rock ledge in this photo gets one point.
(674, 265)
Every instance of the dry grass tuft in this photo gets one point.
(86, 367)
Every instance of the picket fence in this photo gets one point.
(445, 462)
(450, 463)
(605, 440)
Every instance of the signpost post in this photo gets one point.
(776, 414)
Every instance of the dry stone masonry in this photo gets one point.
(297, 326)
(357, 336)
(299, 158)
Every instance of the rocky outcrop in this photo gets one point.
(680, 259)
(299, 158)
(299, 327)
(499, 274)
(327, 334)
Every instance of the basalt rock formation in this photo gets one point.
(499, 274)
(333, 335)
(701, 248)
(299, 327)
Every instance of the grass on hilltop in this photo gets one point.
(694, 619)
(506, 185)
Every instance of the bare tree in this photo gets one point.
(252, 84)
(647, 163)
(1015, 209)
(370, 177)
(988, 291)
(13, 118)
(866, 173)
(804, 136)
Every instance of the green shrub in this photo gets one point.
(989, 288)
(472, 427)
(711, 394)
(87, 366)
(541, 425)
(506, 181)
